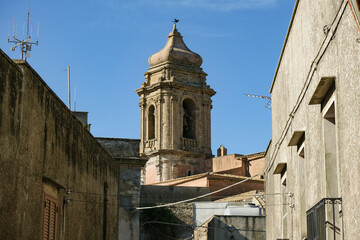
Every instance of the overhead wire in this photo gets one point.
(201, 196)
(188, 226)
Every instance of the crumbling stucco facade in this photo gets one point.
(315, 126)
(57, 182)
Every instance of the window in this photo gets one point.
(302, 186)
(281, 168)
(284, 227)
(189, 127)
(151, 122)
(329, 133)
(50, 217)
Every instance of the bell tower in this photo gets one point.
(175, 104)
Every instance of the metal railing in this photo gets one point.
(324, 220)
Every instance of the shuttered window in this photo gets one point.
(50, 215)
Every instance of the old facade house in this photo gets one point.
(57, 180)
(312, 167)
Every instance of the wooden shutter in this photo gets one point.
(50, 215)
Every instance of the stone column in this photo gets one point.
(166, 121)
(142, 105)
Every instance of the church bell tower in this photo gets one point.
(175, 104)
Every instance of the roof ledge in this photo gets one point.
(280, 167)
(321, 90)
(296, 138)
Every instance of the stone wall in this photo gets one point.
(168, 194)
(127, 157)
(45, 150)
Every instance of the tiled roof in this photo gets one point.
(254, 156)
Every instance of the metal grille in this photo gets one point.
(323, 220)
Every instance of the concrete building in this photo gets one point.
(312, 168)
(216, 181)
(242, 165)
(175, 106)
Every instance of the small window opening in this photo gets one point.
(189, 127)
(189, 172)
(151, 123)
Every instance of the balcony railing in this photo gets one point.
(324, 220)
(150, 144)
(188, 143)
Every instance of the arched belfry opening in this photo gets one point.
(189, 119)
(151, 122)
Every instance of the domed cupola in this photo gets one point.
(175, 51)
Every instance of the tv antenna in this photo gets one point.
(268, 103)
(26, 43)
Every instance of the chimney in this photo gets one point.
(222, 151)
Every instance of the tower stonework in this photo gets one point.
(175, 104)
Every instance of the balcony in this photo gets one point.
(324, 220)
(150, 144)
(188, 144)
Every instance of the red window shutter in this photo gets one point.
(50, 216)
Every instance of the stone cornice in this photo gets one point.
(179, 153)
(168, 84)
(175, 66)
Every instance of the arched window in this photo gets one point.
(189, 127)
(151, 122)
(189, 172)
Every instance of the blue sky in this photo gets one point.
(107, 44)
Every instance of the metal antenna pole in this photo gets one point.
(69, 86)
(75, 99)
(24, 43)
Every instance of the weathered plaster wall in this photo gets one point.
(226, 162)
(43, 148)
(127, 156)
(256, 166)
(307, 176)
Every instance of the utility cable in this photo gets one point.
(188, 226)
(201, 196)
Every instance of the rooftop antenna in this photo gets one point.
(75, 99)
(68, 70)
(268, 103)
(25, 43)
